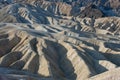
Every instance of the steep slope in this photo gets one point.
(22, 13)
(74, 7)
(56, 54)
(45, 40)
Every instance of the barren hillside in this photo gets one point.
(56, 40)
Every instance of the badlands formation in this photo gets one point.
(55, 40)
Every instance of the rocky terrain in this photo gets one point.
(59, 40)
